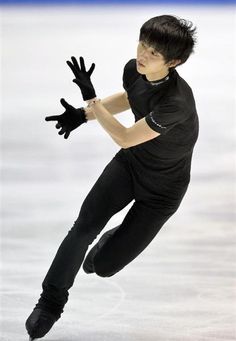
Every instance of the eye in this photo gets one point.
(154, 53)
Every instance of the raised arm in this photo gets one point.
(125, 137)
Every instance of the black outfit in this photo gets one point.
(155, 174)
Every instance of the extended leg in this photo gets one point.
(112, 192)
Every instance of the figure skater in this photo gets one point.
(152, 166)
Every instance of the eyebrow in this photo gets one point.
(151, 47)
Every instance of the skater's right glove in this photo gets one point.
(69, 120)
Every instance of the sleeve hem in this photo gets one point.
(154, 125)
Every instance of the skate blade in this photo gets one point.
(31, 339)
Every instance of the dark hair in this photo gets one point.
(173, 37)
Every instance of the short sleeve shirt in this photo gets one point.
(161, 165)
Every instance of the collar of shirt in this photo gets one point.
(159, 81)
(155, 83)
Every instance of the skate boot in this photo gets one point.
(46, 312)
(39, 323)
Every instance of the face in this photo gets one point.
(150, 61)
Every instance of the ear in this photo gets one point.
(173, 63)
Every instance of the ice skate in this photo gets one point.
(39, 323)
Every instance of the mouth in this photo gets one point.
(140, 64)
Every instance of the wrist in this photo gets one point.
(93, 101)
(82, 115)
(88, 101)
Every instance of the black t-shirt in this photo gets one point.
(161, 167)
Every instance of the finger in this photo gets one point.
(90, 71)
(58, 125)
(62, 131)
(74, 60)
(82, 64)
(73, 68)
(67, 134)
(64, 103)
(76, 81)
(52, 118)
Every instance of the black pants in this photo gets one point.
(111, 193)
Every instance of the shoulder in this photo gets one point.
(178, 97)
(172, 108)
(130, 73)
(167, 114)
(130, 65)
(170, 104)
(184, 92)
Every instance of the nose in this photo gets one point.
(143, 55)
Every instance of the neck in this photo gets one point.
(157, 76)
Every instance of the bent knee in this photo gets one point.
(104, 273)
(103, 270)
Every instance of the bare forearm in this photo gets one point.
(113, 127)
(114, 104)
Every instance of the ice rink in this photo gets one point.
(182, 287)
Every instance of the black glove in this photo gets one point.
(69, 120)
(82, 77)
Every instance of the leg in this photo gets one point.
(88, 265)
(128, 240)
(112, 192)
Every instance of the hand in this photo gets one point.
(69, 120)
(82, 77)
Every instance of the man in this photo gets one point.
(152, 167)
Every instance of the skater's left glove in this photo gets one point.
(69, 120)
(82, 77)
